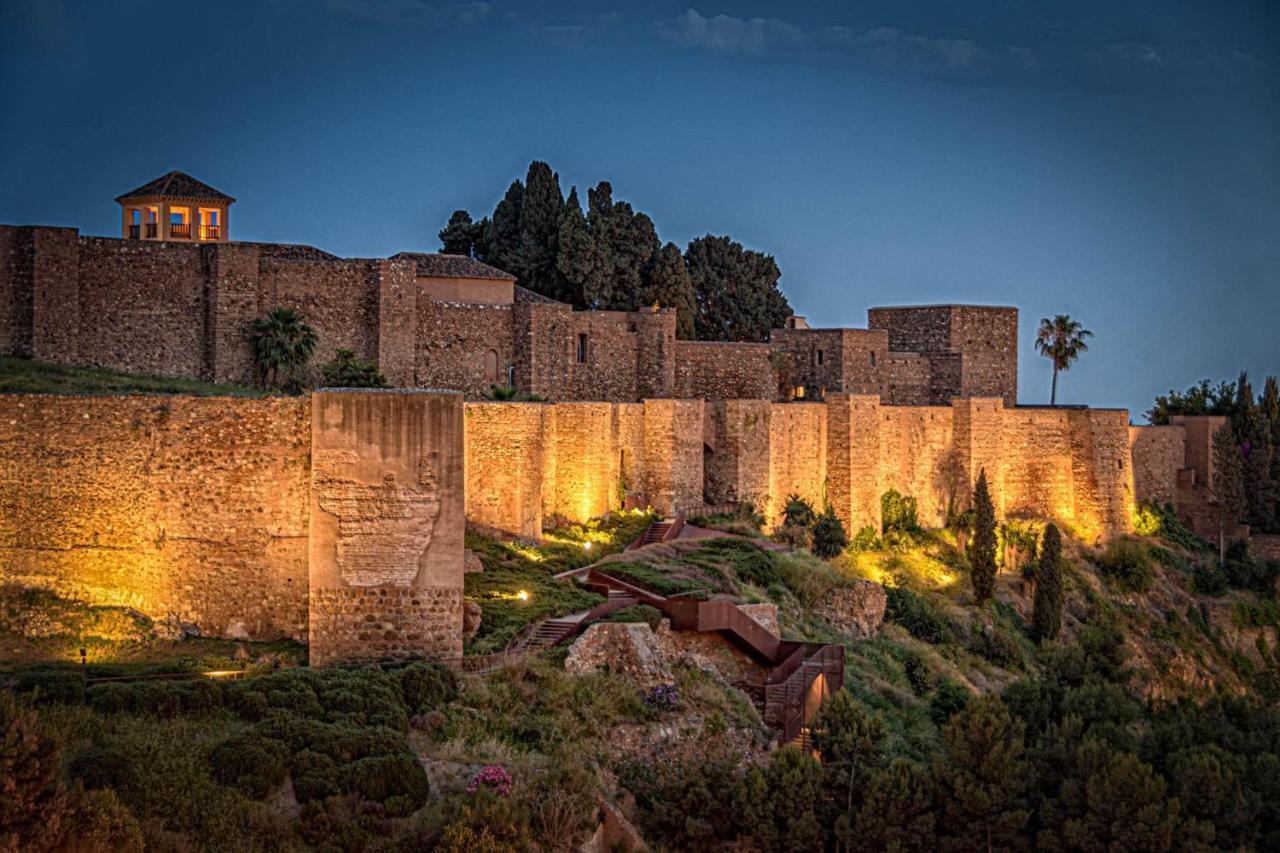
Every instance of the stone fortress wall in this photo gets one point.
(183, 309)
(231, 513)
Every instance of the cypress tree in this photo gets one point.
(982, 551)
(667, 285)
(1046, 617)
(1228, 485)
(1270, 406)
(542, 207)
(502, 236)
(579, 260)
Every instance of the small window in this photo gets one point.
(820, 356)
(873, 358)
(582, 349)
(136, 215)
(491, 366)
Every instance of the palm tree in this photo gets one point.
(282, 342)
(1061, 340)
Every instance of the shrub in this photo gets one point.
(898, 513)
(664, 697)
(493, 778)
(314, 774)
(808, 579)
(347, 370)
(948, 699)
(637, 613)
(829, 537)
(51, 685)
(1245, 572)
(380, 778)
(919, 676)
(108, 698)
(427, 685)
(1127, 563)
(866, 540)
(918, 615)
(104, 766)
(795, 537)
(1208, 579)
(798, 512)
(996, 645)
(250, 762)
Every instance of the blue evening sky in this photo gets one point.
(1118, 161)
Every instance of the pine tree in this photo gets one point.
(736, 290)
(1126, 810)
(898, 811)
(667, 285)
(461, 236)
(982, 550)
(1046, 617)
(850, 739)
(787, 819)
(1228, 486)
(982, 778)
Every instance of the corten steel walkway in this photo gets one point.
(799, 676)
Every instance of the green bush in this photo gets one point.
(1245, 572)
(1208, 579)
(104, 766)
(919, 675)
(380, 778)
(347, 370)
(997, 645)
(898, 513)
(108, 698)
(829, 536)
(52, 685)
(750, 562)
(314, 774)
(1127, 563)
(250, 762)
(798, 512)
(637, 613)
(918, 615)
(427, 685)
(947, 699)
(866, 539)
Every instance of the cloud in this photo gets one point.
(883, 48)
(729, 35)
(1071, 58)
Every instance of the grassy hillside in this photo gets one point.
(24, 376)
(1150, 723)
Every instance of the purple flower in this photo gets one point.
(664, 697)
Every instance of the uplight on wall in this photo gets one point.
(523, 595)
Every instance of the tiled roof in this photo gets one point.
(524, 294)
(177, 184)
(433, 265)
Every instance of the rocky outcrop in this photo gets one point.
(614, 833)
(766, 615)
(471, 562)
(855, 610)
(629, 649)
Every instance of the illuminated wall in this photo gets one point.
(386, 533)
(187, 508)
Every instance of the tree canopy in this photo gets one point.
(609, 257)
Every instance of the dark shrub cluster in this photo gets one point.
(1127, 563)
(923, 619)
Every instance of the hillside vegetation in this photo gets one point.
(1148, 723)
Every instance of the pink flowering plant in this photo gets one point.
(492, 777)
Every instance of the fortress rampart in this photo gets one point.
(339, 517)
(182, 308)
